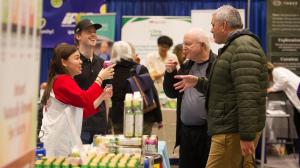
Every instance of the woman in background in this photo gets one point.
(155, 115)
(122, 55)
(180, 53)
(285, 80)
(65, 104)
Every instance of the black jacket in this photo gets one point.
(170, 91)
(90, 70)
(123, 70)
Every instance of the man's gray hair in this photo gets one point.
(230, 15)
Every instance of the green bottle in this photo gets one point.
(138, 114)
(128, 122)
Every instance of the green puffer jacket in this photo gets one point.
(236, 87)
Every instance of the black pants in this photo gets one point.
(104, 128)
(87, 136)
(297, 121)
(194, 146)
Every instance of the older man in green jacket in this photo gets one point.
(236, 91)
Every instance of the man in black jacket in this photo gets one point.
(191, 130)
(85, 38)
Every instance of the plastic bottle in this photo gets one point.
(138, 121)
(138, 115)
(128, 122)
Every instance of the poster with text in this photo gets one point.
(19, 70)
(60, 16)
(143, 31)
(283, 33)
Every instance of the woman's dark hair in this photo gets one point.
(61, 51)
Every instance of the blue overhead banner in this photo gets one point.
(59, 19)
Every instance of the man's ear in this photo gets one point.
(77, 36)
(224, 26)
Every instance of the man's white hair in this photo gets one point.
(200, 36)
(121, 50)
(230, 15)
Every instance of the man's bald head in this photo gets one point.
(196, 45)
(198, 35)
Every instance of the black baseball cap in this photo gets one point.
(85, 23)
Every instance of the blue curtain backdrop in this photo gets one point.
(45, 62)
(183, 8)
(257, 25)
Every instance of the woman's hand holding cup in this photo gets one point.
(108, 92)
(107, 73)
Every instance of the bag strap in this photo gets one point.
(140, 89)
(138, 69)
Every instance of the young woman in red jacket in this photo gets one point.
(65, 104)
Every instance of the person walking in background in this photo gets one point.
(236, 91)
(191, 128)
(180, 53)
(85, 38)
(65, 104)
(155, 61)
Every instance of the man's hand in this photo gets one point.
(171, 65)
(247, 147)
(187, 81)
(155, 75)
(160, 125)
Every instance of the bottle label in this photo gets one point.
(129, 124)
(138, 129)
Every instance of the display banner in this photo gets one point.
(59, 19)
(202, 19)
(283, 33)
(143, 31)
(108, 22)
(19, 70)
